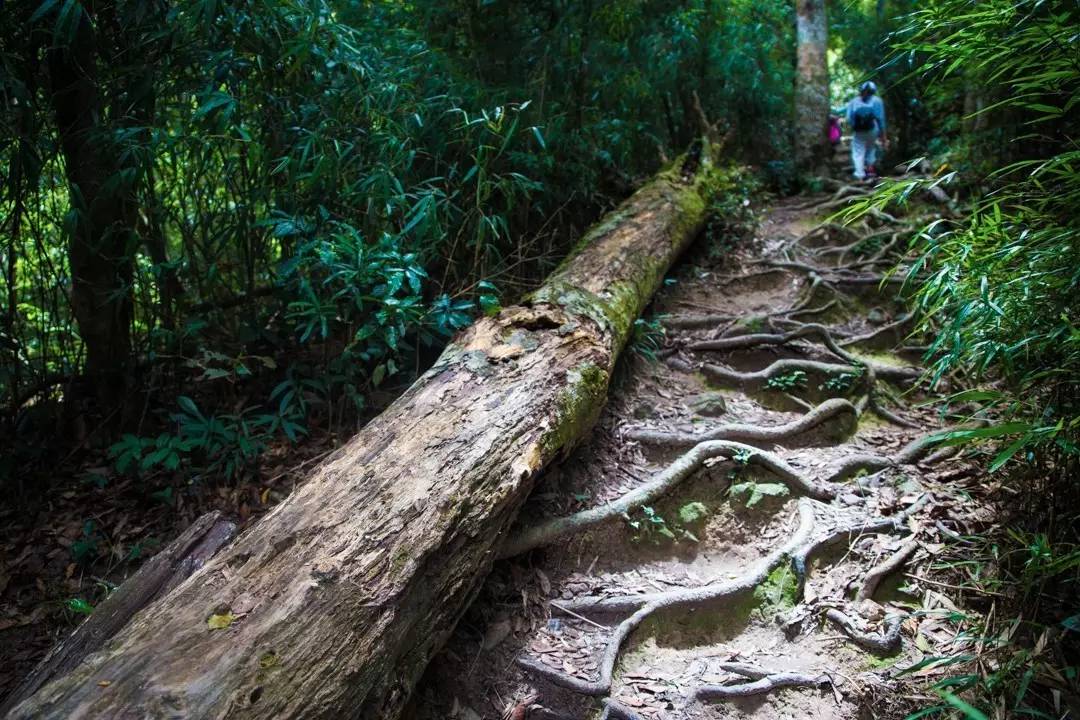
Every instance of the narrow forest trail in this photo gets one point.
(782, 510)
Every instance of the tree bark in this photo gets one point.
(340, 596)
(811, 86)
(158, 575)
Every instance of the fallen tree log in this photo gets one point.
(333, 604)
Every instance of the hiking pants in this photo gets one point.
(863, 152)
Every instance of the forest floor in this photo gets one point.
(60, 557)
(689, 605)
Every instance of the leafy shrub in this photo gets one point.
(999, 293)
(646, 338)
(228, 443)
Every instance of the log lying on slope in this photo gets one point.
(337, 599)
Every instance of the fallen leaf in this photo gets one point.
(496, 633)
(545, 584)
(220, 622)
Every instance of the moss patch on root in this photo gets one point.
(780, 591)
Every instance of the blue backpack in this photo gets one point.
(863, 119)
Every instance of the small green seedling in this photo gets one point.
(653, 528)
(787, 382)
(755, 492)
(842, 383)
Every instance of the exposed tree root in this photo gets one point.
(918, 450)
(841, 197)
(804, 330)
(797, 550)
(756, 380)
(759, 378)
(810, 311)
(854, 464)
(662, 483)
(828, 513)
(889, 415)
(840, 275)
(695, 322)
(685, 466)
(760, 681)
(880, 572)
(614, 710)
(825, 229)
(751, 434)
(892, 233)
(897, 324)
(884, 643)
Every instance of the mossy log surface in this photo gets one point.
(338, 598)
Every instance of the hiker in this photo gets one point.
(834, 129)
(866, 118)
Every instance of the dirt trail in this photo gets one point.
(740, 588)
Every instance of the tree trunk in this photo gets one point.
(334, 603)
(101, 243)
(811, 86)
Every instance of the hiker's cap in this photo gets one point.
(868, 86)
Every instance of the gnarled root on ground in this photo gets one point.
(615, 710)
(757, 379)
(662, 483)
(760, 681)
(842, 197)
(865, 338)
(804, 330)
(884, 643)
(804, 542)
(880, 572)
(695, 322)
(748, 433)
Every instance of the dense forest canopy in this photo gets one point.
(228, 227)
(195, 188)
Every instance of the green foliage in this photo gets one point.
(225, 443)
(755, 492)
(651, 527)
(692, 513)
(79, 606)
(88, 545)
(732, 220)
(998, 291)
(311, 197)
(646, 338)
(779, 592)
(842, 383)
(1020, 659)
(741, 458)
(787, 382)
